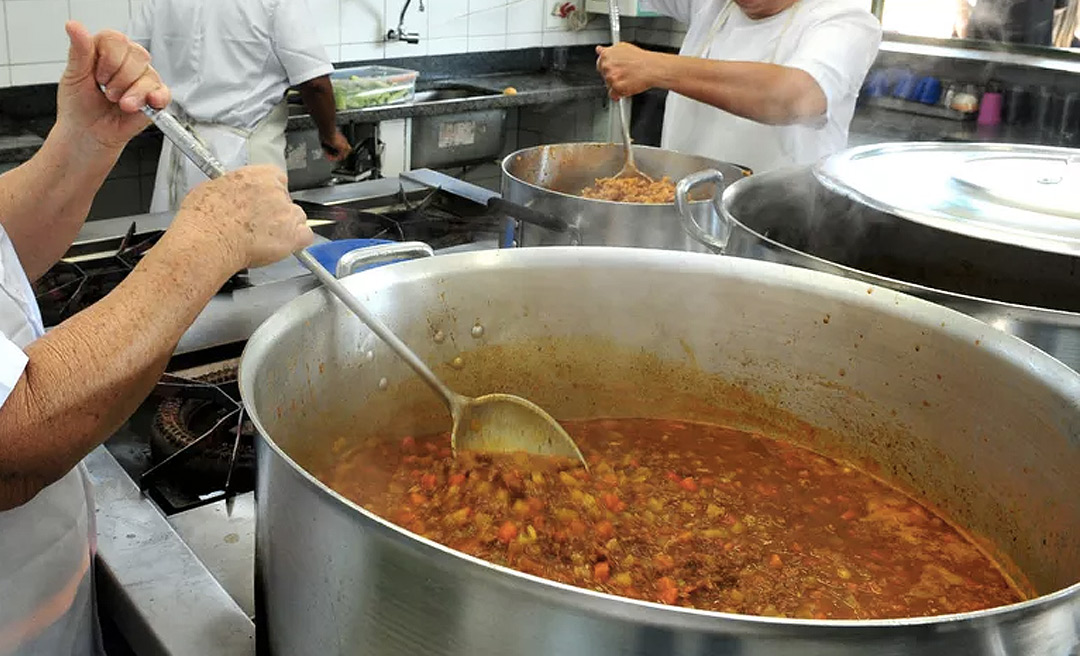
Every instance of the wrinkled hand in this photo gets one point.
(339, 147)
(106, 120)
(626, 69)
(248, 212)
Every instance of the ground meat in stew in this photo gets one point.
(685, 514)
(632, 190)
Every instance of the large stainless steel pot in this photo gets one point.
(978, 423)
(787, 216)
(549, 179)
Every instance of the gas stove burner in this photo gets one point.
(436, 219)
(201, 442)
(70, 287)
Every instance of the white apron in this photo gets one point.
(46, 545)
(697, 128)
(234, 148)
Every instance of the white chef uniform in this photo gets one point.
(835, 41)
(228, 64)
(46, 545)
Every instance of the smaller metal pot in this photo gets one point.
(549, 178)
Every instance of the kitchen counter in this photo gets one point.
(532, 89)
(875, 124)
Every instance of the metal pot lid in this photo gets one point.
(1027, 196)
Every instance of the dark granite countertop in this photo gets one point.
(535, 88)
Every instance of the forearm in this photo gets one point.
(85, 377)
(766, 93)
(44, 202)
(318, 97)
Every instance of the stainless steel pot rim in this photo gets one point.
(517, 153)
(890, 303)
(894, 284)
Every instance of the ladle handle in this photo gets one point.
(624, 118)
(376, 325)
(187, 143)
(183, 139)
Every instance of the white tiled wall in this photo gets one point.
(33, 45)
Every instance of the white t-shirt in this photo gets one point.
(230, 62)
(835, 41)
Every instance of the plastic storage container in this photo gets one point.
(371, 86)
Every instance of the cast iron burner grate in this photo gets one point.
(202, 444)
(70, 287)
(439, 219)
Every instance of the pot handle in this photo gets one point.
(682, 204)
(368, 256)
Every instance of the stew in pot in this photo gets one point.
(632, 190)
(685, 514)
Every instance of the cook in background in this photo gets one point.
(229, 64)
(761, 83)
(63, 393)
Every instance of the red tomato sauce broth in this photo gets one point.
(685, 514)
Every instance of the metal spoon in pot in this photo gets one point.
(493, 422)
(629, 169)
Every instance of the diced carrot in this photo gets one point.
(601, 572)
(612, 502)
(428, 481)
(456, 479)
(605, 530)
(417, 499)
(708, 481)
(663, 562)
(672, 476)
(775, 562)
(849, 515)
(578, 528)
(408, 444)
(536, 504)
(668, 591)
(688, 484)
(507, 532)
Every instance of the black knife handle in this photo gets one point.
(528, 215)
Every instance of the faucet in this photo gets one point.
(400, 34)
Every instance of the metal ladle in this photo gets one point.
(629, 169)
(493, 422)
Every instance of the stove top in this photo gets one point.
(174, 486)
(399, 211)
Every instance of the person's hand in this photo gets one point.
(337, 147)
(112, 118)
(626, 69)
(247, 212)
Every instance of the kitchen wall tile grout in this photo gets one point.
(522, 23)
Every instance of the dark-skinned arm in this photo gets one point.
(318, 97)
